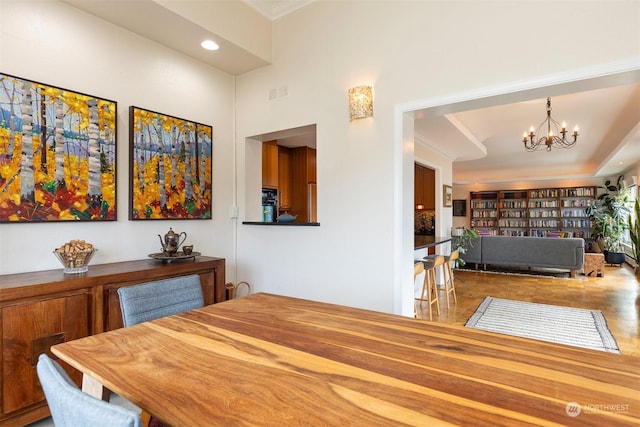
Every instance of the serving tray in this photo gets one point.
(178, 255)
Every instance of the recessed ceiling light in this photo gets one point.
(210, 45)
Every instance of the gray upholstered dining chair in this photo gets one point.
(153, 300)
(71, 407)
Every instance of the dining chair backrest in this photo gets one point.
(71, 407)
(153, 300)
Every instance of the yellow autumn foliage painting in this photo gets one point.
(171, 167)
(57, 154)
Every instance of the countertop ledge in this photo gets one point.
(422, 241)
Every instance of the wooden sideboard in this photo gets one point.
(43, 308)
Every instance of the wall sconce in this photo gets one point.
(419, 206)
(360, 102)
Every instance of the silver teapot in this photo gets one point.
(172, 242)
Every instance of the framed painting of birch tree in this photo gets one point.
(170, 167)
(57, 154)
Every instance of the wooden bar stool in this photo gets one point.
(430, 287)
(418, 268)
(449, 285)
(430, 258)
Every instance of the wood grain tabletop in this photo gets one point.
(267, 360)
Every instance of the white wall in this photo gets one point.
(58, 45)
(412, 52)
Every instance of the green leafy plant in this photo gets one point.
(634, 231)
(609, 214)
(462, 242)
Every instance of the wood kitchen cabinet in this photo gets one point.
(424, 187)
(284, 177)
(40, 309)
(270, 164)
(303, 181)
(292, 171)
(418, 187)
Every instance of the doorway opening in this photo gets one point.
(407, 142)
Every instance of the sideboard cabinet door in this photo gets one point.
(29, 329)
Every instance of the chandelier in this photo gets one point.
(551, 139)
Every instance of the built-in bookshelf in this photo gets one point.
(535, 212)
(573, 210)
(513, 213)
(544, 212)
(484, 212)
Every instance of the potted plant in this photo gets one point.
(609, 217)
(462, 240)
(634, 234)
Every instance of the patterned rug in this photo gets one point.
(561, 325)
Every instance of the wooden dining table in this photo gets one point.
(268, 360)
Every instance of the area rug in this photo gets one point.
(561, 325)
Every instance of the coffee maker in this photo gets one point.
(269, 204)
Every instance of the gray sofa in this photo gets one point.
(539, 252)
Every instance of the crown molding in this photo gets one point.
(274, 9)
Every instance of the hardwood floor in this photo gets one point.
(617, 295)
